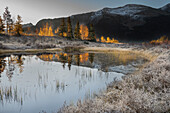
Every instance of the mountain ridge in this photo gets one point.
(166, 8)
(129, 22)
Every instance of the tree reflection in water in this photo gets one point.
(2, 65)
(75, 59)
(102, 61)
(49, 76)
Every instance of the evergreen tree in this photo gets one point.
(7, 19)
(18, 26)
(69, 28)
(62, 28)
(2, 26)
(92, 36)
(77, 34)
(11, 26)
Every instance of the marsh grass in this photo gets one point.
(146, 91)
(10, 94)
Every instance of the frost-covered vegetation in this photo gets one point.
(145, 91)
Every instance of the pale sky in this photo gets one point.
(34, 10)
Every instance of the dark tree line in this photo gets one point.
(67, 31)
(8, 25)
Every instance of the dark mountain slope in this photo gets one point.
(166, 8)
(128, 23)
(131, 22)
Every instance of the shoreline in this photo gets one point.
(144, 53)
(144, 91)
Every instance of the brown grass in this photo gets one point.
(145, 92)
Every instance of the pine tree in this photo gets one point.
(1, 25)
(77, 34)
(62, 28)
(69, 28)
(11, 26)
(7, 19)
(18, 26)
(92, 36)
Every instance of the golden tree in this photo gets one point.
(84, 32)
(18, 26)
(46, 31)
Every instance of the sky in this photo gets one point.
(35, 10)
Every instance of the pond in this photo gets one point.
(44, 82)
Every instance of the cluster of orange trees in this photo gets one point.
(108, 40)
(65, 29)
(162, 40)
(79, 32)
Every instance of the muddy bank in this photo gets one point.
(145, 91)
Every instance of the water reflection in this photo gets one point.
(32, 83)
(102, 61)
(2, 65)
(10, 94)
(10, 63)
(66, 58)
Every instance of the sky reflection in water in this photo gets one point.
(32, 83)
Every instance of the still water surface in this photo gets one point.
(37, 83)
